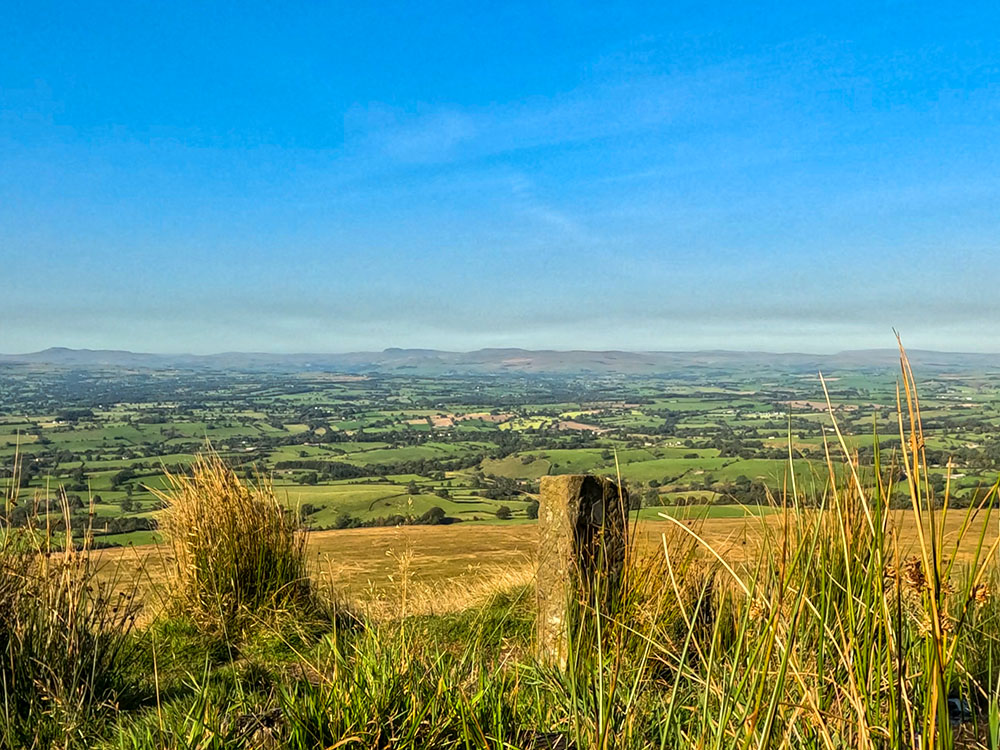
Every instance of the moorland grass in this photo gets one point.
(238, 554)
(67, 652)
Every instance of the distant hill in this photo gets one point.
(496, 361)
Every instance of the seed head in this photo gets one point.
(757, 610)
(912, 573)
(980, 594)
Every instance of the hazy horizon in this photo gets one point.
(387, 349)
(208, 177)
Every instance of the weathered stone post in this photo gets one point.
(583, 538)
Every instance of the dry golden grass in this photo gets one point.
(234, 552)
(443, 566)
(446, 568)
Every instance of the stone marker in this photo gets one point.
(583, 538)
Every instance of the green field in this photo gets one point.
(391, 448)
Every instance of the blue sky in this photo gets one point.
(197, 176)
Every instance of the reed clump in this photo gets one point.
(67, 655)
(238, 553)
(851, 624)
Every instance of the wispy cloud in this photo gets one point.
(591, 112)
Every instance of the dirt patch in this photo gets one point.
(449, 420)
(486, 417)
(571, 424)
(819, 406)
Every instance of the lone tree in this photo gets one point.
(433, 516)
(504, 513)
